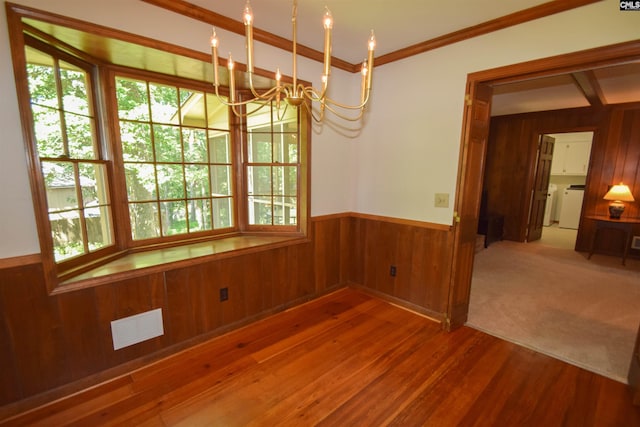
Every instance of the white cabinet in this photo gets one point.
(571, 158)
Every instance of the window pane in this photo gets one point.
(290, 180)
(173, 216)
(81, 136)
(48, 131)
(136, 142)
(221, 180)
(193, 110)
(164, 104)
(285, 180)
(133, 103)
(217, 113)
(260, 150)
(141, 181)
(195, 145)
(185, 161)
(42, 83)
(67, 234)
(259, 180)
(60, 183)
(290, 121)
(197, 181)
(284, 210)
(99, 232)
(261, 117)
(93, 181)
(170, 182)
(223, 208)
(260, 210)
(167, 143)
(200, 215)
(290, 148)
(144, 220)
(220, 147)
(75, 89)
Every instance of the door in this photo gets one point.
(540, 188)
(470, 176)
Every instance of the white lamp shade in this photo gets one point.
(619, 193)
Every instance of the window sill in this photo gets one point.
(164, 259)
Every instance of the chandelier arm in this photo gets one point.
(309, 109)
(268, 95)
(294, 94)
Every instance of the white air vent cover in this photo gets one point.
(137, 328)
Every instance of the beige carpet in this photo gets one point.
(555, 301)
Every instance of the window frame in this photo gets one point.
(112, 73)
(103, 84)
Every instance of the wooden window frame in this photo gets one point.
(57, 278)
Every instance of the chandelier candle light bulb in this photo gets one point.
(294, 94)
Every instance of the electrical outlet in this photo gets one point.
(441, 200)
(224, 294)
(392, 271)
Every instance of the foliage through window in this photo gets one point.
(272, 167)
(124, 159)
(74, 173)
(177, 156)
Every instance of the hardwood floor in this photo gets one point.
(349, 359)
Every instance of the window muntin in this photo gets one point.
(105, 203)
(273, 165)
(177, 157)
(73, 171)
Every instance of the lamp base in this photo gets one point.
(616, 209)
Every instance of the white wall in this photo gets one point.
(406, 152)
(410, 150)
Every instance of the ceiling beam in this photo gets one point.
(589, 86)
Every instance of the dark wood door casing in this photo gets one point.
(476, 132)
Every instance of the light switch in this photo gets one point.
(442, 200)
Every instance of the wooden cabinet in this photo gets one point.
(571, 158)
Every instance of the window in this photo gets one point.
(125, 159)
(177, 157)
(272, 167)
(73, 170)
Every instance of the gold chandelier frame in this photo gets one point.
(294, 94)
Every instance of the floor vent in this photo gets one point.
(137, 328)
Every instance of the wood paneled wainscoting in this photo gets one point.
(56, 344)
(349, 359)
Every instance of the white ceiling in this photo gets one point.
(402, 23)
(397, 23)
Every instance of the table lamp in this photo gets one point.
(618, 194)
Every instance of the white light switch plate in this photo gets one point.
(441, 200)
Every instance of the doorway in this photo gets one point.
(474, 144)
(474, 157)
(563, 195)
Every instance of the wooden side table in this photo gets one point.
(623, 224)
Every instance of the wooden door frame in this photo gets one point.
(460, 284)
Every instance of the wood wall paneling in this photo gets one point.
(64, 340)
(421, 256)
(36, 337)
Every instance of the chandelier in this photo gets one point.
(294, 94)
